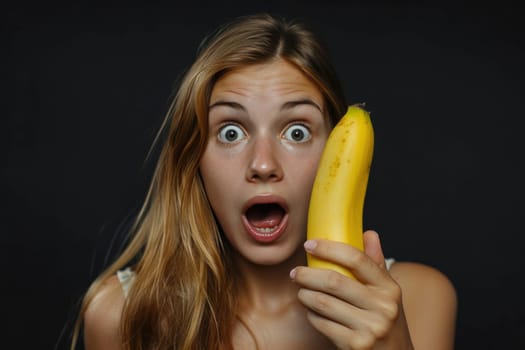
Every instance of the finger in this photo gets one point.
(373, 248)
(335, 284)
(384, 301)
(362, 266)
(334, 309)
(342, 323)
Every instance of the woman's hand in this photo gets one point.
(366, 313)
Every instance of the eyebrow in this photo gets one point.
(305, 101)
(230, 104)
(286, 105)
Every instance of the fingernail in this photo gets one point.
(293, 273)
(310, 245)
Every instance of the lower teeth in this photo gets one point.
(265, 231)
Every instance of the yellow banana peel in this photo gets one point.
(338, 194)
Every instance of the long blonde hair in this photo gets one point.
(183, 295)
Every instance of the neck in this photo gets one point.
(268, 288)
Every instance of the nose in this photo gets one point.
(264, 164)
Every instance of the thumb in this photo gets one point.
(373, 248)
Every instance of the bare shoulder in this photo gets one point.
(102, 317)
(429, 302)
(423, 279)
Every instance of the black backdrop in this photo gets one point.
(85, 88)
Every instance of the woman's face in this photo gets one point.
(266, 133)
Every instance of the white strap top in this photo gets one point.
(389, 262)
(127, 276)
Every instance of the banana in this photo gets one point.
(338, 194)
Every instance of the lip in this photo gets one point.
(265, 199)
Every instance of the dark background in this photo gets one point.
(84, 89)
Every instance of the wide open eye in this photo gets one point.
(297, 133)
(231, 133)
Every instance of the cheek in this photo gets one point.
(305, 176)
(302, 178)
(309, 177)
(308, 167)
(220, 182)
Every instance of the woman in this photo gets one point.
(219, 243)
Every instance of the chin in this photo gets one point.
(271, 256)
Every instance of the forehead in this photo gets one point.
(275, 78)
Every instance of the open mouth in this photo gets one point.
(265, 221)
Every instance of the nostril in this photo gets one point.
(264, 174)
(264, 169)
